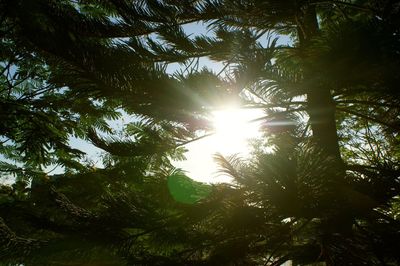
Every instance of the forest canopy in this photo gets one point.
(321, 186)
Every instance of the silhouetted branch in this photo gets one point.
(369, 118)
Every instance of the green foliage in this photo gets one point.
(322, 186)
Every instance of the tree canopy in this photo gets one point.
(327, 193)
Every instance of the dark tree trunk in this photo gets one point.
(321, 107)
(321, 110)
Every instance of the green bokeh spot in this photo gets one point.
(185, 190)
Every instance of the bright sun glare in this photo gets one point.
(233, 129)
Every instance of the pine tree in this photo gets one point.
(327, 194)
(329, 191)
(68, 68)
(345, 159)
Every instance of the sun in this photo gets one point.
(233, 128)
